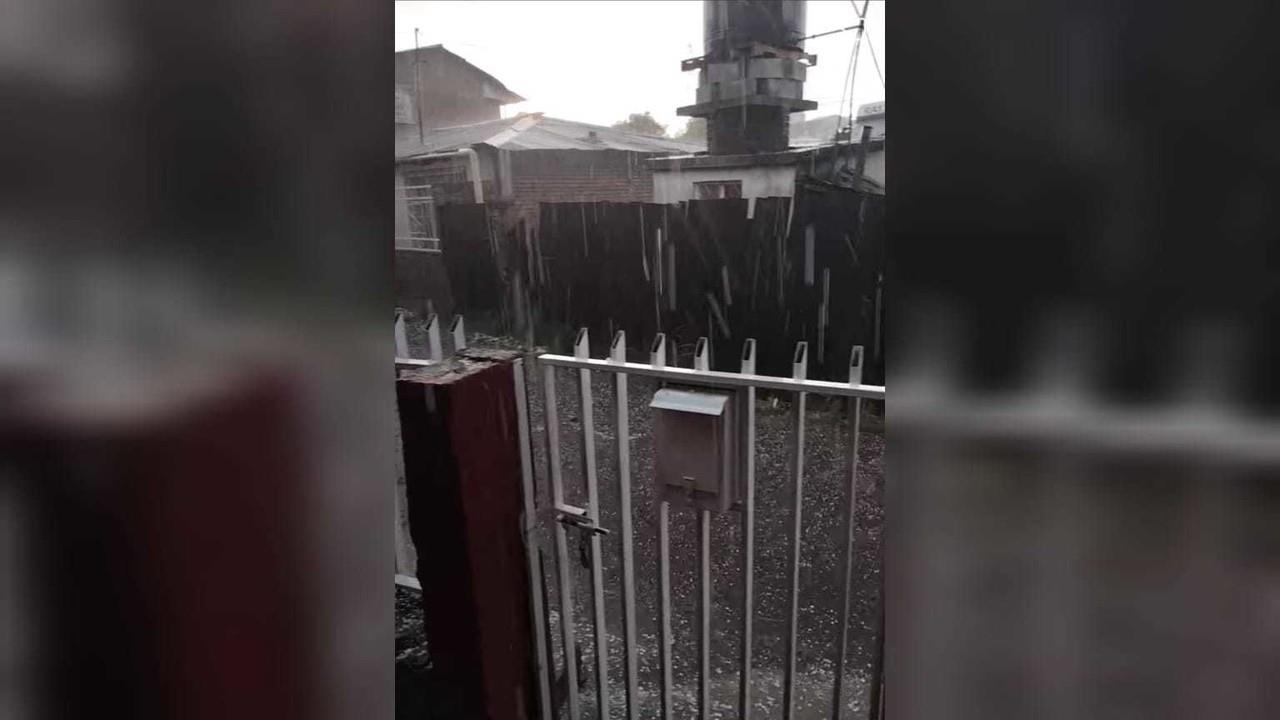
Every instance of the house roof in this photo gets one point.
(493, 85)
(535, 131)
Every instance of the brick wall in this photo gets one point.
(577, 176)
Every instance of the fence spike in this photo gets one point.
(800, 361)
(618, 349)
(855, 365)
(459, 334)
(749, 357)
(433, 338)
(658, 351)
(702, 354)
(402, 339)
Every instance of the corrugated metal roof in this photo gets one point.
(537, 132)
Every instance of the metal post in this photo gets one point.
(531, 545)
(582, 350)
(850, 517)
(562, 540)
(658, 359)
(748, 530)
(798, 371)
(702, 361)
(618, 353)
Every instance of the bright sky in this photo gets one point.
(597, 62)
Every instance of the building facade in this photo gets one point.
(435, 88)
(520, 162)
(750, 80)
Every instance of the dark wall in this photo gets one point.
(599, 265)
(421, 279)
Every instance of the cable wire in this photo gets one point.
(853, 79)
(871, 48)
(844, 90)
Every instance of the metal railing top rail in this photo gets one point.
(719, 378)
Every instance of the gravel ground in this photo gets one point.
(413, 667)
(821, 558)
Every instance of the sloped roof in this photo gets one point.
(535, 131)
(499, 91)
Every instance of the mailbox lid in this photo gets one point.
(700, 403)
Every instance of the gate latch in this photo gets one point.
(577, 517)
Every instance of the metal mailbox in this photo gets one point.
(695, 447)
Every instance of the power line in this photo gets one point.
(832, 32)
(862, 14)
(844, 89)
(853, 80)
(871, 48)
(417, 86)
(853, 73)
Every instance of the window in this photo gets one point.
(421, 206)
(717, 189)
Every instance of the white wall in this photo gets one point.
(874, 168)
(775, 181)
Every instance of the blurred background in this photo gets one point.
(1081, 514)
(195, 406)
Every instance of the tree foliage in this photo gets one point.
(695, 130)
(641, 124)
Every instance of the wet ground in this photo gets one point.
(824, 497)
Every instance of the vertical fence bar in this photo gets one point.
(850, 517)
(798, 371)
(658, 358)
(582, 350)
(618, 353)
(562, 541)
(531, 545)
(704, 608)
(433, 338)
(748, 529)
(702, 361)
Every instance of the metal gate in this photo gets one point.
(567, 519)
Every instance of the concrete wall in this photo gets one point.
(757, 182)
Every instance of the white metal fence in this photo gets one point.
(569, 518)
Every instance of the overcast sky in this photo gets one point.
(597, 62)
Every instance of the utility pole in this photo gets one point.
(417, 87)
